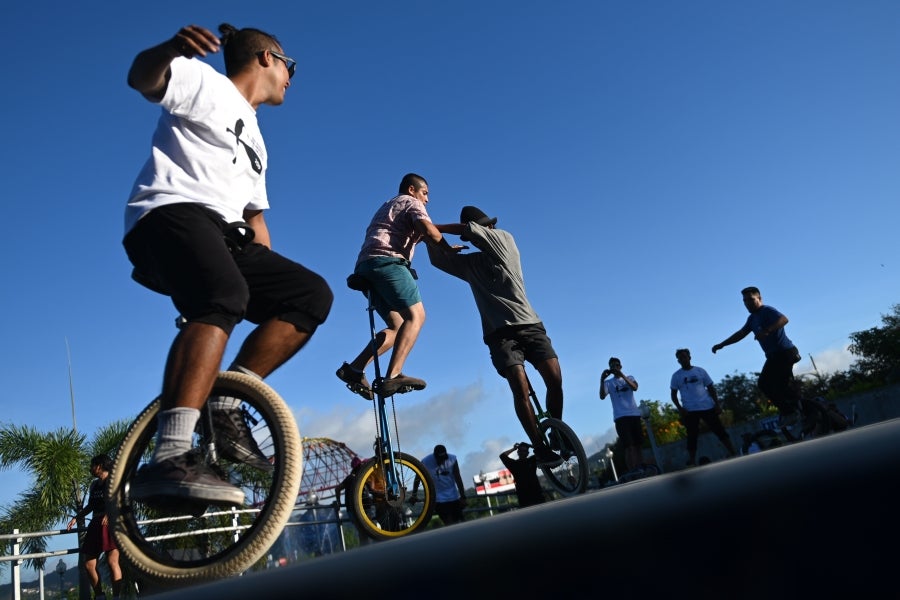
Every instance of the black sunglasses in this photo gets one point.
(289, 62)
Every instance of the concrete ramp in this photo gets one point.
(814, 519)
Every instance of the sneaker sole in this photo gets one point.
(210, 494)
(360, 390)
(401, 389)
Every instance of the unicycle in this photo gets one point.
(381, 493)
(569, 478)
(184, 543)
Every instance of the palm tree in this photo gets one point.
(59, 464)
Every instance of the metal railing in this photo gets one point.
(17, 537)
(16, 559)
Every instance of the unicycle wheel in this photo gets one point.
(384, 511)
(569, 478)
(186, 543)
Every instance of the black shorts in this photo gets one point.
(514, 345)
(180, 250)
(630, 431)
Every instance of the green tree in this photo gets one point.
(739, 394)
(58, 463)
(878, 349)
(665, 421)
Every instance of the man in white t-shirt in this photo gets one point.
(699, 400)
(195, 231)
(626, 415)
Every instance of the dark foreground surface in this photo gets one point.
(817, 519)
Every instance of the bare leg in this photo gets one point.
(518, 384)
(552, 375)
(413, 319)
(90, 566)
(115, 571)
(193, 364)
(270, 345)
(384, 341)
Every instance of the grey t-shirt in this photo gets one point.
(495, 276)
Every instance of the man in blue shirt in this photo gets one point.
(776, 380)
(450, 492)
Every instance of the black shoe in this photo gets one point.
(546, 457)
(184, 477)
(356, 381)
(234, 441)
(399, 384)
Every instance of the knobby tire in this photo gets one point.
(172, 553)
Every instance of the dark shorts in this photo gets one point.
(393, 282)
(630, 431)
(691, 420)
(514, 345)
(449, 512)
(180, 250)
(97, 538)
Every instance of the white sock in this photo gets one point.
(175, 432)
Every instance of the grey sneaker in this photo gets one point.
(235, 442)
(356, 381)
(183, 477)
(399, 384)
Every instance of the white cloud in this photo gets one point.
(827, 362)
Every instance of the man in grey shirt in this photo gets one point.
(512, 329)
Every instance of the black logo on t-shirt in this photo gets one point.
(255, 163)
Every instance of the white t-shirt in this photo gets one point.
(207, 148)
(692, 385)
(622, 397)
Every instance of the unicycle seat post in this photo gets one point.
(361, 284)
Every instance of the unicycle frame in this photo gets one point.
(384, 442)
(388, 463)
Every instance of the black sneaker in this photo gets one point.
(546, 457)
(399, 384)
(356, 381)
(234, 441)
(183, 477)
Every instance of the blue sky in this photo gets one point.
(652, 158)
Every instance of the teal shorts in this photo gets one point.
(392, 282)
